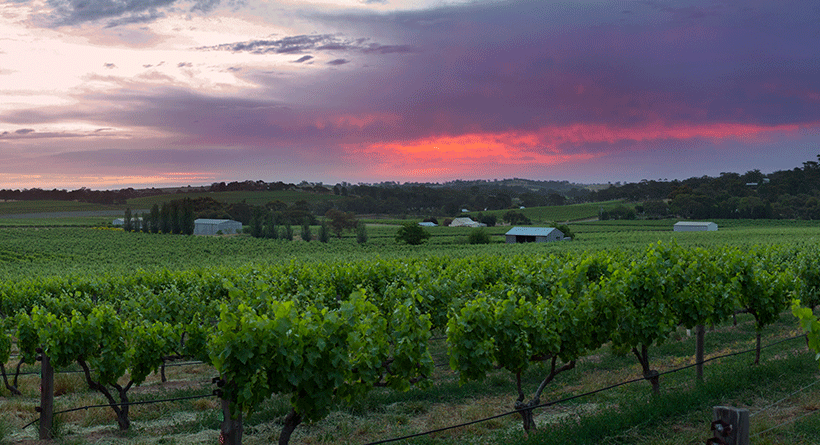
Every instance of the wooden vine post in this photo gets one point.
(230, 430)
(730, 426)
(46, 398)
(701, 337)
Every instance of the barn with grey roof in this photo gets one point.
(533, 235)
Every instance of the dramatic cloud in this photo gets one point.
(119, 12)
(307, 43)
(370, 90)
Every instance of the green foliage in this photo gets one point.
(324, 233)
(361, 232)
(516, 218)
(305, 233)
(478, 236)
(341, 221)
(565, 230)
(287, 232)
(412, 233)
(810, 325)
(317, 355)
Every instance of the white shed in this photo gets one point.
(533, 235)
(466, 222)
(692, 226)
(204, 226)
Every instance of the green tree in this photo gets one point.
(257, 223)
(478, 236)
(126, 221)
(176, 218)
(341, 221)
(324, 233)
(165, 218)
(565, 230)
(188, 218)
(154, 218)
(361, 233)
(145, 223)
(305, 233)
(412, 233)
(287, 232)
(271, 232)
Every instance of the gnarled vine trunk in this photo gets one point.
(120, 408)
(526, 409)
(649, 374)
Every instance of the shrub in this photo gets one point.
(479, 236)
(361, 233)
(412, 233)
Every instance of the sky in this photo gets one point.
(110, 94)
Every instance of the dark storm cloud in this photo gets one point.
(307, 43)
(527, 64)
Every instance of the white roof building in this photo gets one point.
(204, 226)
(692, 226)
(466, 222)
(533, 235)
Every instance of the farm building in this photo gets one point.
(533, 235)
(212, 226)
(691, 226)
(466, 222)
(119, 222)
(428, 224)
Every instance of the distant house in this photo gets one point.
(691, 226)
(533, 235)
(428, 224)
(119, 222)
(466, 222)
(204, 226)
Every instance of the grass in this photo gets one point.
(628, 414)
(25, 207)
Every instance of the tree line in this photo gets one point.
(175, 217)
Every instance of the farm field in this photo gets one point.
(572, 212)
(51, 207)
(49, 250)
(78, 257)
(681, 415)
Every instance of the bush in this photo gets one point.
(479, 236)
(305, 233)
(361, 233)
(324, 233)
(412, 233)
(565, 230)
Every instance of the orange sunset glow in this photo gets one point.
(191, 92)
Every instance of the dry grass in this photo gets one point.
(196, 421)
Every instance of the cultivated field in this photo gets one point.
(39, 261)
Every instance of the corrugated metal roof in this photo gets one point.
(530, 231)
(692, 223)
(212, 221)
